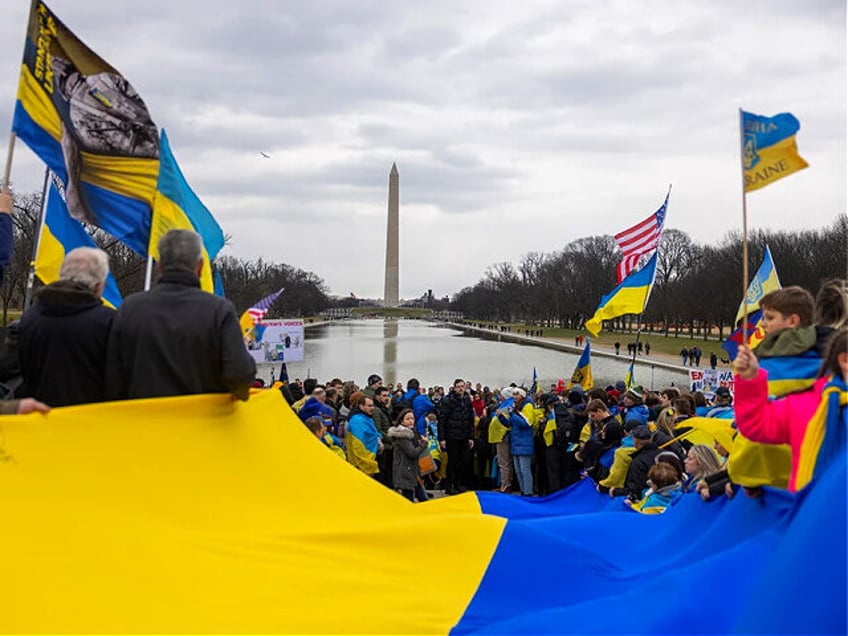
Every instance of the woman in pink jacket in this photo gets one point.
(814, 422)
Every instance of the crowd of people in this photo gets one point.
(69, 348)
(643, 446)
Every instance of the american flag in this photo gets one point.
(258, 311)
(638, 242)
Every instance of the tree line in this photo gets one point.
(698, 287)
(697, 290)
(245, 282)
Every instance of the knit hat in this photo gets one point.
(620, 386)
(373, 379)
(635, 393)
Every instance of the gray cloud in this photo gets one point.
(573, 117)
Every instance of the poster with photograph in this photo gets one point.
(708, 380)
(276, 341)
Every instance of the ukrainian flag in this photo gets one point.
(583, 373)
(59, 235)
(87, 123)
(235, 524)
(176, 206)
(630, 297)
(764, 282)
(769, 150)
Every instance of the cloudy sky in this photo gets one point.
(515, 126)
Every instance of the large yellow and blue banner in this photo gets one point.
(59, 235)
(91, 128)
(769, 149)
(204, 515)
(630, 297)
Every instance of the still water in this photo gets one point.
(399, 350)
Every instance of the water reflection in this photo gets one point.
(399, 350)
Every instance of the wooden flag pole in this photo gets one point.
(7, 170)
(744, 232)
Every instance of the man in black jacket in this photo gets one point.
(456, 435)
(177, 339)
(640, 463)
(62, 338)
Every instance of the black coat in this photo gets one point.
(637, 476)
(62, 341)
(177, 340)
(456, 418)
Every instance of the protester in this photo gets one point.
(456, 435)
(63, 337)
(408, 447)
(363, 440)
(813, 423)
(177, 339)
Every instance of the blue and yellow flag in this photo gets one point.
(630, 297)
(769, 150)
(176, 206)
(583, 373)
(629, 378)
(59, 235)
(238, 515)
(88, 124)
(763, 282)
(534, 388)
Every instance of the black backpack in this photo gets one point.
(567, 426)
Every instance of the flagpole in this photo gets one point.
(39, 230)
(7, 171)
(744, 231)
(148, 272)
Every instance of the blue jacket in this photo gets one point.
(638, 412)
(421, 407)
(520, 434)
(313, 407)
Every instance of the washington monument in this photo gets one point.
(391, 293)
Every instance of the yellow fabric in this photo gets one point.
(550, 430)
(38, 105)
(205, 515)
(586, 431)
(49, 259)
(358, 455)
(620, 465)
(497, 431)
(814, 437)
(706, 430)
(130, 176)
(167, 215)
(776, 162)
(752, 464)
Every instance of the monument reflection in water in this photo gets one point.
(399, 350)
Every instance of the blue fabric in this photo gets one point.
(775, 564)
(421, 407)
(639, 413)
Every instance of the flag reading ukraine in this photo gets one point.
(769, 150)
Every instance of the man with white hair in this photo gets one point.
(63, 337)
(177, 339)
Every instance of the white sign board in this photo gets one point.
(710, 379)
(276, 341)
